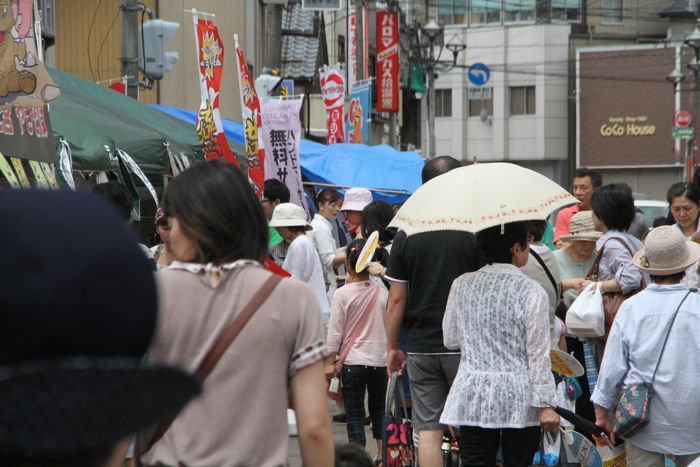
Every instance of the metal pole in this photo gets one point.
(688, 162)
(431, 109)
(273, 26)
(392, 130)
(130, 46)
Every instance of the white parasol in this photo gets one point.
(480, 196)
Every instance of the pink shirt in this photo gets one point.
(564, 221)
(349, 303)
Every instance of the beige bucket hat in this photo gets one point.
(356, 199)
(581, 228)
(666, 251)
(289, 215)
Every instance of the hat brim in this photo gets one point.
(585, 237)
(58, 408)
(290, 223)
(353, 206)
(692, 258)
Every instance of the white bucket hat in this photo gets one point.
(289, 215)
(666, 251)
(356, 199)
(581, 228)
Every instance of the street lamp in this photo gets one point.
(432, 63)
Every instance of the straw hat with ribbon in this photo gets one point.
(581, 228)
(666, 252)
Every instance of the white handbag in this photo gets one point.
(585, 317)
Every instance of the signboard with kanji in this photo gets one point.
(387, 61)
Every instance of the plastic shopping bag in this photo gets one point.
(586, 317)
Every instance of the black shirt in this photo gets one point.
(429, 262)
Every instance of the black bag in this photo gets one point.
(397, 433)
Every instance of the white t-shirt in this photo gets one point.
(303, 263)
(322, 238)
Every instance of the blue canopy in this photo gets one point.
(379, 167)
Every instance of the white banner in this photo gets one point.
(281, 135)
(351, 45)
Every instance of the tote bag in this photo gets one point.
(397, 434)
(586, 317)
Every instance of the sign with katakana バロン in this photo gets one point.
(387, 61)
(210, 57)
(333, 93)
(281, 135)
(252, 124)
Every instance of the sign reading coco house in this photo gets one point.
(625, 107)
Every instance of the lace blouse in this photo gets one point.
(498, 318)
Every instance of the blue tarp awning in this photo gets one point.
(358, 165)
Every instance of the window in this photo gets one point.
(611, 12)
(475, 106)
(517, 11)
(443, 103)
(452, 11)
(566, 10)
(522, 100)
(484, 11)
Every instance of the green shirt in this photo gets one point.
(275, 237)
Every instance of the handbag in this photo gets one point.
(612, 300)
(215, 353)
(335, 386)
(632, 412)
(397, 432)
(561, 309)
(586, 316)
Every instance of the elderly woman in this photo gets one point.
(576, 259)
(499, 320)
(656, 339)
(219, 238)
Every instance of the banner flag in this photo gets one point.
(359, 113)
(49, 174)
(21, 174)
(210, 60)
(333, 93)
(252, 124)
(7, 172)
(351, 59)
(387, 61)
(41, 180)
(281, 134)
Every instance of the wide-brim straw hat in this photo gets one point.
(581, 228)
(79, 308)
(289, 215)
(356, 199)
(666, 252)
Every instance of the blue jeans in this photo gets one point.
(357, 379)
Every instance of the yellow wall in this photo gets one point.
(88, 40)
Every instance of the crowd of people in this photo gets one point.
(199, 362)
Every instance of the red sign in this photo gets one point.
(210, 56)
(387, 61)
(333, 92)
(683, 118)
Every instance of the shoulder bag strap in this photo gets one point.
(217, 351)
(360, 325)
(596, 264)
(643, 284)
(546, 270)
(668, 331)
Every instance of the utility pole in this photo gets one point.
(130, 46)
(393, 116)
(273, 35)
(431, 108)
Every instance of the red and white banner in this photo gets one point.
(282, 134)
(333, 92)
(210, 57)
(387, 61)
(252, 124)
(351, 59)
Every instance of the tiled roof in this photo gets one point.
(299, 52)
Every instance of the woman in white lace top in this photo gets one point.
(498, 318)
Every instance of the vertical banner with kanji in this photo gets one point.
(359, 113)
(210, 60)
(351, 48)
(252, 124)
(282, 135)
(387, 61)
(333, 93)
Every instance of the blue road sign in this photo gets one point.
(479, 74)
